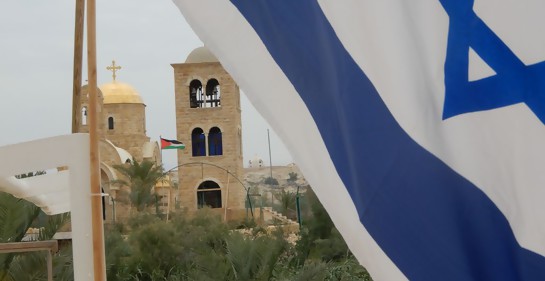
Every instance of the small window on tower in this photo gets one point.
(240, 141)
(196, 97)
(84, 115)
(213, 93)
(110, 123)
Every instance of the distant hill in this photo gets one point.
(256, 179)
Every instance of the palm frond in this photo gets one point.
(54, 223)
(16, 216)
(141, 178)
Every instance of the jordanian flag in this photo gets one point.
(171, 144)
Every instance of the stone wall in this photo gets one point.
(129, 130)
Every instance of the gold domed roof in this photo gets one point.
(201, 54)
(116, 92)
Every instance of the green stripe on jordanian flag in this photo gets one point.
(171, 144)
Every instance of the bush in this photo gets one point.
(246, 223)
(349, 269)
(203, 247)
(271, 181)
(293, 177)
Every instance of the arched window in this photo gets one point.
(196, 97)
(213, 93)
(209, 194)
(198, 142)
(84, 115)
(110, 123)
(215, 146)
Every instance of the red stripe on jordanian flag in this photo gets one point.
(171, 144)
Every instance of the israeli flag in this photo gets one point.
(419, 124)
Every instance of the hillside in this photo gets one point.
(255, 178)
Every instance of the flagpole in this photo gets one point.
(99, 263)
(161, 148)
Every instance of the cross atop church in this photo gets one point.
(113, 68)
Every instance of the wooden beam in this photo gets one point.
(78, 62)
(49, 246)
(99, 262)
(15, 247)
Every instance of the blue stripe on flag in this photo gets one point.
(432, 222)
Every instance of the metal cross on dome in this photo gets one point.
(514, 82)
(113, 68)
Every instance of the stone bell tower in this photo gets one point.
(208, 122)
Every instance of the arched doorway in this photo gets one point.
(108, 201)
(209, 194)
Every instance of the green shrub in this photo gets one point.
(270, 181)
(293, 177)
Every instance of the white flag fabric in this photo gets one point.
(419, 124)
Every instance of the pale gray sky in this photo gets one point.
(143, 36)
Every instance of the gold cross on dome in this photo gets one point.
(113, 68)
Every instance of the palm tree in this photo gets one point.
(254, 258)
(287, 203)
(141, 178)
(16, 217)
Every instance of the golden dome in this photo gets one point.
(116, 92)
(201, 54)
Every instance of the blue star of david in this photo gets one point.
(514, 81)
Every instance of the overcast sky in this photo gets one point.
(143, 36)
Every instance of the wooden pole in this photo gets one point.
(99, 262)
(49, 266)
(78, 55)
(226, 197)
(168, 203)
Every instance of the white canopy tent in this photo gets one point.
(68, 190)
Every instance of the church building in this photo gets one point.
(208, 121)
(121, 120)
